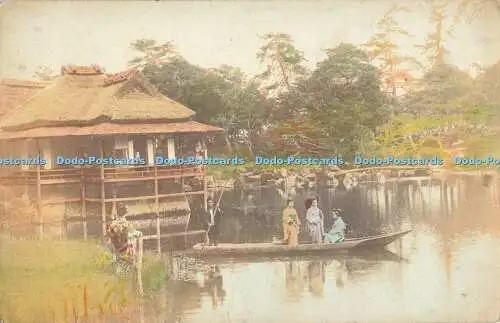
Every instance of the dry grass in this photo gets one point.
(60, 281)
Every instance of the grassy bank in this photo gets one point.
(58, 281)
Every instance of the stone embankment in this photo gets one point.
(290, 180)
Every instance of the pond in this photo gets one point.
(447, 269)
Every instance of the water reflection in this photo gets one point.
(294, 279)
(213, 285)
(316, 273)
(446, 270)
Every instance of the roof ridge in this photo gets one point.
(17, 82)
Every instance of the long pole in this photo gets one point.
(215, 210)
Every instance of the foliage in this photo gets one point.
(434, 48)
(222, 96)
(284, 62)
(152, 53)
(383, 51)
(55, 281)
(441, 93)
(344, 98)
(348, 104)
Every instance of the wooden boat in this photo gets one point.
(245, 249)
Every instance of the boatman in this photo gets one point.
(213, 216)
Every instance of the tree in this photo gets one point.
(383, 50)
(284, 62)
(474, 9)
(343, 100)
(152, 53)
(222, 96)
(434, 46)
(443, 91)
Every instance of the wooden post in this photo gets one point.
(157, 210)
(84, 205)
(205, 184)
(39, 201)
(103, 194)
(140, 247)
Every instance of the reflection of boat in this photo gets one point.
(365, 255)
(244, 249)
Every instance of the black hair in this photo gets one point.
(308, 202)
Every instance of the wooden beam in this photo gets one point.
(150, 151)
(146, 197)
(205, 184)
(157, 210)
(103, 193)
(83, 203)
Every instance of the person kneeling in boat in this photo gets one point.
(337, 233)
(291, 224)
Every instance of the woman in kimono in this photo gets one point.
(315, 219)
(291, 224)
(337, 233)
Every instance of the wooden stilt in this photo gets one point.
(39, 201)
(387, 208)
(83, 202)
(205, 184)
(103, 195)
(157, 210)
(140, 251)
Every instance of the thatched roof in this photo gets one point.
(14, 93)
(86, 96)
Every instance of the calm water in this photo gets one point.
(448, 269)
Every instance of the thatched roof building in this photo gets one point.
(85, 101)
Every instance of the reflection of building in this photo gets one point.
(83, 114)
(316, 273)
(178, 297)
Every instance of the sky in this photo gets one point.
(209, 33)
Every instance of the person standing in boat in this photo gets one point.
(315, 222)
(291, 224)
(213, 215)
(337, 233)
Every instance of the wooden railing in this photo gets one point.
(95, 174)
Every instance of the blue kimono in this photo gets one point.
(337, 233)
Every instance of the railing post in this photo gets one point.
(157, 210)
